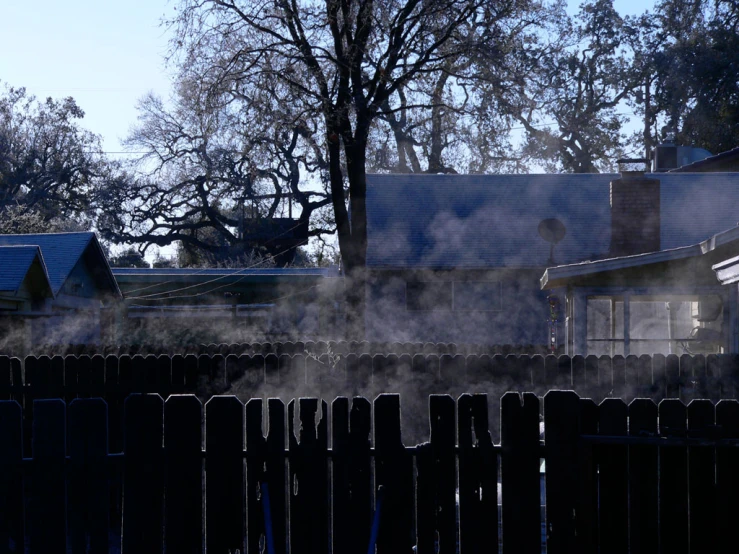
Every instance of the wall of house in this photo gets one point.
(504, 306)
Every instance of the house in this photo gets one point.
(64, 282)
(196, 305)
(458, 258)
(725, 161)
(667, 302)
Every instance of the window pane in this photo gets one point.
(477, 296)
(428, 296)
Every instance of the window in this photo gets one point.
(477, 296)
(428, 296)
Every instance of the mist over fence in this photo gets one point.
(328, 375)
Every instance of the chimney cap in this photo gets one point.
(632, 166)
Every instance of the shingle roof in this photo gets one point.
(61, 252)
(15, 262)
(484, 221)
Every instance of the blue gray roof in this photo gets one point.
(15, 262)
(488, 221)
(61, 252)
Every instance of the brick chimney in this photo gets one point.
(635, 207)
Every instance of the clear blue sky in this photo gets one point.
(105, 54)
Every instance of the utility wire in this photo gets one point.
(202, 270)
(235, 272)
(226, 285)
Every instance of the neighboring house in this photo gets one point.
(228, 305)
(24, 291)
(667, 302)
(458, 257)
(80, 286)
(725, 161)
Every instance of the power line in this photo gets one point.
(235, 272)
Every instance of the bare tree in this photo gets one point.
(215, 180)
(340, 63)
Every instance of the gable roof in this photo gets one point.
(62, 251)
(488, 221)
(16, 262)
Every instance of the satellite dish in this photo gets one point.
(552, 230)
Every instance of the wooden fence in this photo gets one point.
(222, 478)
(326, 376)
(341, 347)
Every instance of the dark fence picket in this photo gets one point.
(586, 523)
(713, 378)
(224, 475)
(613, 478)
(84, 376)
(6, 382)
(309, 502)
(561, 435)
(178, 375)
(673, 472)
(643, 479)
(351, 475)
(12, 509)
(256, 446)
(191, 373)
(48, 506)
(632, 387)
(688, 382)
(89, 501)
(605, 378)
(425, 500)
(659, 378)
(143, 481)
(672, 376)
(394, 473)
(729, 368)
(183, 463)
(276, 473)
(97, 376)
(592, 379)
(163, 376)
(520, 473)
(727, 479)
(701, 477)
(478, 463)
(618, 372)
(442, 415)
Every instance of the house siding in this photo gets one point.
(519, 317)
